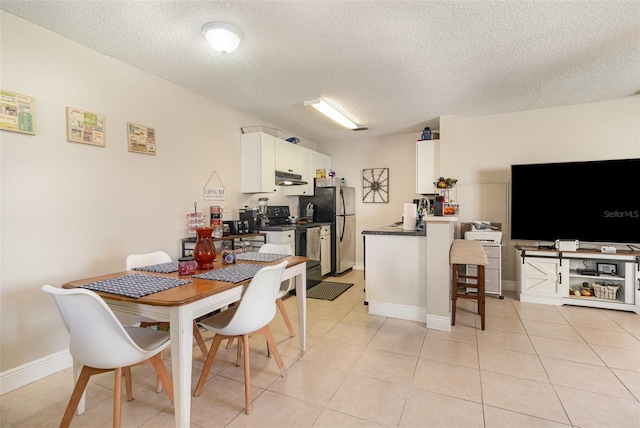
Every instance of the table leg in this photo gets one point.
(181, 358)
(301, 297)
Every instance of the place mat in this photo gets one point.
(160, 268)
(235, 273)
(260, 257)
(136, 285)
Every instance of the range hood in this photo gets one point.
(288, 179)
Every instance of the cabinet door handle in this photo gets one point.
(560, 276)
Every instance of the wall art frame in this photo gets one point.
(141, 138)
(17, 112)
(86, 127)
(375, 185)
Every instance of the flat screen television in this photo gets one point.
(593, 201)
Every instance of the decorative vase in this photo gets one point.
(204, 250)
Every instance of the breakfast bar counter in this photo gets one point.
(407, 273)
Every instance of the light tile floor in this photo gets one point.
(533, 366)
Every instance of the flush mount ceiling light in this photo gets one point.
(330, 112)
(222, 36)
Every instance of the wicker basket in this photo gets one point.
(609, 292)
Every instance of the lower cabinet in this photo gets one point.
(282, 237)
(325, 250)
(582, 278)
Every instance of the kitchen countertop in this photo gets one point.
(286, 227)
(396, 229)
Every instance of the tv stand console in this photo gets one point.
(553, 277)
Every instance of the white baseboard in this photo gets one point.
(34, 370)
(397, 311)
(508, 285)
(438, 322)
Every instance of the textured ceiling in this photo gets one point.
(392, 66)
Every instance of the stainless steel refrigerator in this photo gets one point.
(336, 205)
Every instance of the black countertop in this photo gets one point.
(286, 227)
(396, 230)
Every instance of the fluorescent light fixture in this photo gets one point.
(333, 114)
(223, 37)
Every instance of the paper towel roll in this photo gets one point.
(409, 218)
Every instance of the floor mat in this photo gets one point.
(325, 290)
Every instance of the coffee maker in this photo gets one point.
(248, 217)
(263, 220)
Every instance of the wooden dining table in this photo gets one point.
(181, 305)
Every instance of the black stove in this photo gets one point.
(278, 216)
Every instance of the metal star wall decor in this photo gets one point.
(375, 185)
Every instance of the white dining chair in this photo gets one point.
(100, 343)
(249, 317)
(286, 286)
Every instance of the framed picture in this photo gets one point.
(607, 268)
(375, 185)
(141, 138)
(17, 112)
(85, 127)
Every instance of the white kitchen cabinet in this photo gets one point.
(548, 276)
(325, 250)
(427, 165)
(306, 158)
(288, 157)
(282, 237)
(311, 161)
(257, 163)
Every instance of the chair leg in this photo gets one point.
(454, 292)
(238, 351)
(274, 348)
(78, 390)
(217, 339)
(127, 382)
(163, 374)
(158, 381)
(199, 340)
(117, 397)
(247, 374)
(285, 316)
(230, 342)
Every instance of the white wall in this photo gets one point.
(72, 210)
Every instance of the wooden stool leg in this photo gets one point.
(481, 295)
(454, 292)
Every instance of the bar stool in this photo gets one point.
(464, 285)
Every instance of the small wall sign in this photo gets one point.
(85, 127)
(141, 139)
(17, 112)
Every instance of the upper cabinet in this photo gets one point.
(311, 161)
(288, 157)
(257, 163)
(427, 165)
(263, 154)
